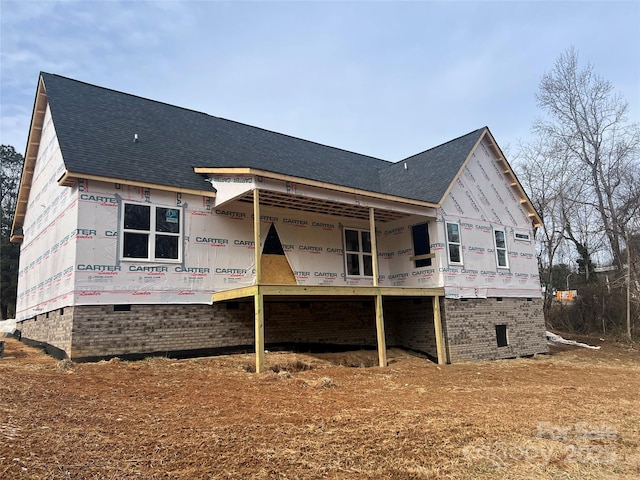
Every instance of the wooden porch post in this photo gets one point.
(382, 344)
(259, 309)
(437, 324)
(258, 300)
(256, 234)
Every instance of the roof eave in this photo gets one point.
(28, 167)
(311, 183)
(507, 171)
(525, 201)
(70, 179)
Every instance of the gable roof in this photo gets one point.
(429, 174)
(96, 128)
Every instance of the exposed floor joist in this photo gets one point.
(318, 205)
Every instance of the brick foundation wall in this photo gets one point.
(468, 327)
(51, 328)
(331, 322)
(470, 333)
(409, 324)
(101, 331)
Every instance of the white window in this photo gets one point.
(151, 232)
(454, 243)
(501, 248)
(357, 251)
(522, 236)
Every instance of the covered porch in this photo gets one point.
(265, 288)
(263, 292)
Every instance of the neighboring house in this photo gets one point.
(150, 228)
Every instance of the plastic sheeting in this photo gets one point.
(481, 201)
(72, 253)
(552, 338)
(47, 253)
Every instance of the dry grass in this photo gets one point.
(574, 414)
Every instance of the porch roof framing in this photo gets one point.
(259, 290)
(396, 208)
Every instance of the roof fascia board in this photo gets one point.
(69, 179)
(525, 201)
(514, 182)
(311, 183)
(40, 103)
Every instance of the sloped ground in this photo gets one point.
(574, 414)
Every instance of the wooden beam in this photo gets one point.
(320, 205)
(437, 324)
(309, 182)
(319, 290)
(259, 329)
(322, 290)
(234, 294)
(69, 176)
(30, 155)
(382, 343)
(374, 245)
(258, 297)
(256, 235)
(347, 290)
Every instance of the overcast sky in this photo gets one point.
(387, 79)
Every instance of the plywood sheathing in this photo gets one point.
(276, 270)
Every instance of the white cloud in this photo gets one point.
(386, 79)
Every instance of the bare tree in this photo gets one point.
(588, 122)
(582, 171)
(557, 192)
(543, 177)
(10, 171)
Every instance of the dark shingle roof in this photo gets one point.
(428, 174)
(96, 127)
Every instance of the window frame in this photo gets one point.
(522, 236)
(152, 234)
(450, 242)
(496, 248)
(424, 262)
(360, 253)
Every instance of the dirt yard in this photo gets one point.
(574, 414)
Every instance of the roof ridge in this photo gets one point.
(218, 118)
